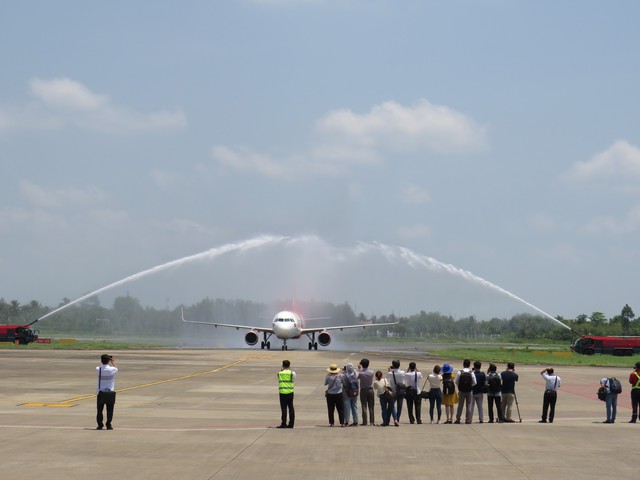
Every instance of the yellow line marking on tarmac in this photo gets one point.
(71, 402)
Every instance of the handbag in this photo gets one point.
(388, 393)
(107, 397)
(425, 395)
(401, 388)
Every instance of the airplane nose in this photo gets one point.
(281, 331)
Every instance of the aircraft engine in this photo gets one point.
(251, 337)
(324, 339)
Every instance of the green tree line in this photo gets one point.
(128, 316)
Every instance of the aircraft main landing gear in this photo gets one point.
(266, 343)
(312, 344)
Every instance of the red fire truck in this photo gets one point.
(23, 334)
(588, 345)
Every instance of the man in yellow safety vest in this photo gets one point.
(634, 380)
(286, 377)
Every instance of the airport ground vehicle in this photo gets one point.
(23, 334)
(589, 344)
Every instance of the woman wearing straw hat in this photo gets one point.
(334, 381)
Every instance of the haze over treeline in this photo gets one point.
(127, 316)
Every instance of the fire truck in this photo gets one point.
(23, 334)
(588, 345)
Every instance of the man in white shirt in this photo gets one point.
(552, 383)
(106, 388)
(414, 402)
(395, 376)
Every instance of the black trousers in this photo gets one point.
(414, 403)
(498, 401)
(635, 401)
(99, 417)
(335, 401)
(435, 400)
(286, 403)
(549, 404)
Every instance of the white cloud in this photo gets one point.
(346, 139)
(612, 226)
(63, 102)
(245, 160)
(29, 118)
(395, 127)
(414, 195)
(65, 93)
(63, 197)
(621, 162)
(413, 232)
(31, 221)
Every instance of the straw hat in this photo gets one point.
(333, 368)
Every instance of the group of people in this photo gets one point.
(461, 393)
(611, 388)
(465, 388)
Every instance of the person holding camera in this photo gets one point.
(367, 395)
(509, 378)
(552, 383)
(413, 379)
(106, 390)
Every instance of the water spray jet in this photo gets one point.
(392, 254)
(211, 253)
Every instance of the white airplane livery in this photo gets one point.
(285, 326)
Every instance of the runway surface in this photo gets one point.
(209, 414)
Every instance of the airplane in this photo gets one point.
(287, 325)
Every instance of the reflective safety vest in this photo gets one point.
(637, 385)
(285, 381)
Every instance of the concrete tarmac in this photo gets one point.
(209, 414)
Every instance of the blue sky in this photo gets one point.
(497, 136)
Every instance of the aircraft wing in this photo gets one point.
(344, 327)
(230, 325)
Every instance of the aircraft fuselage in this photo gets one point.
(287, 325)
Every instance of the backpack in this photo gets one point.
(602, 394)
(465, 383)
(448, 387)
(481, 383)
(614, 385)
(493, 382)
(352, 387)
